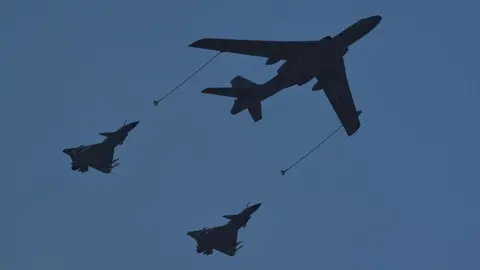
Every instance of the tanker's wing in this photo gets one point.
(338, 92)
(277, 50)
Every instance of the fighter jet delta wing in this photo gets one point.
(229, 244)
(338, 92)
(104, 161)
(274, 50)
(221, 238)
(98, 156)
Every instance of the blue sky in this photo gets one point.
(400, 194)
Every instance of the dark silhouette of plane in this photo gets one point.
(305, 60)
(98, 156)
(243, 217)
(221, 238)
(117, 137)
(249, 95)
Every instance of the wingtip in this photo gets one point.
(197, 43)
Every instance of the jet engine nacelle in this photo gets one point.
(272, 61)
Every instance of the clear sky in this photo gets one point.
(400, 194)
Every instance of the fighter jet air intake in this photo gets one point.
(100, 155)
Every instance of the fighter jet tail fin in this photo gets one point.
(107, 134)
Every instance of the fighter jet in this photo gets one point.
(305, 60)
(117, 137)
(98, 156)
(241, 219)
(221, 238)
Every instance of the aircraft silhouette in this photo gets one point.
(305, 60)
(221, 238)
(100, 155)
